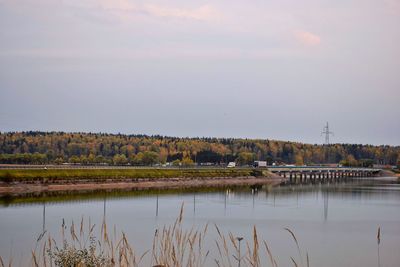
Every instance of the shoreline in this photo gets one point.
(390, 173)
(166, 183)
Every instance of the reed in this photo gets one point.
(173, 246)
(10, 261)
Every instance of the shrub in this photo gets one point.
(71, 256)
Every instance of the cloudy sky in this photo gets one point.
(224, 68)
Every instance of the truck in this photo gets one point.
(260, 164)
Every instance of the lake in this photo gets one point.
(335, 223)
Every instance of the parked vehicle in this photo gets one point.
(231, 165)
(260, 164)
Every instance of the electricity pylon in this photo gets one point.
(327, 133)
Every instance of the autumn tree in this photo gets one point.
(245, 158)
(187, 162)
(150, 158)
(120, 159)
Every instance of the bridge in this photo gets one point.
(313, 174)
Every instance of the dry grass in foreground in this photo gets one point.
(173, 246)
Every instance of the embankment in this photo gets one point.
(17, 181)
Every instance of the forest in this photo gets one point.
(36, 147)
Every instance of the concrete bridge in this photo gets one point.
(303, 174)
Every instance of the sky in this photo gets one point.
(221, 68)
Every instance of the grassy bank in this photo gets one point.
(49, 175)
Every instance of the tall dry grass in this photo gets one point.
(172, 246)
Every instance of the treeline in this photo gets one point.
(119, 149)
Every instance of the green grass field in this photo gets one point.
(26, 175)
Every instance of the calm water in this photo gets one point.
(336, 223)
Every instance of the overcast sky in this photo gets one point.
(224, 68)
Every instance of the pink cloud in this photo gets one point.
(392, 6)
(122, 5)
(205, 12)
(307, 38)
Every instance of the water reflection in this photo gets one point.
(326, 203)
(354, 188)
(157, 205)
(104, 207)
(194, 203)
(44, 217)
